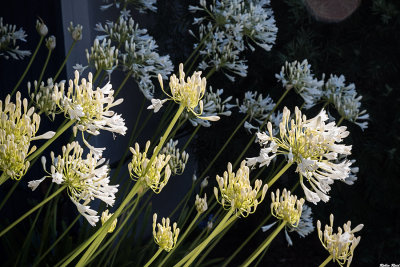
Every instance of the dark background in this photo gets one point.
(365, 48)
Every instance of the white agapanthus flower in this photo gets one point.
(141, 5)
(298, 76)
(305, 226)
(86, 179)
(257, 107)
(103, 56)
(138, 52)
(90, 108)
(346, 101)
(178, 159)
(313, 145)
(229, 27)
(18, 127)
(75, 31)
(213, 105)
(43, 97)
(9, 35)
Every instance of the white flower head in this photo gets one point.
(201, 203)
(313, 145)
(102, 55)
(178, 159)
(9, 36)
(256, 106)
(75, 31)
(165, 236)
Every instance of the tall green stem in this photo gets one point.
(264, 245)
(27, 67)
(3, 178)
(154, 257)
(279, 174)
(44, 68)
(340, 121)
(123, 83)
(65, 60)
(33, 210)
(326, 261)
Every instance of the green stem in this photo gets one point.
(340, 121)
(197, 250)
(154, 257)
(223, 147)
(58, 240)
(264, 245)
(279, 174)
(3, 178)
(96, 75)
(181, 238)
(27, 67)
(32, 210)
(65, 60)
(326, 261)
(211, 72)
(44, 68)
(191, 137)
(123, 83)
(9, 193)
(51, 140)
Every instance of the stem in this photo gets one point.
(123, 83)
(44, 68)
(58, 240)
(191, 137)
(65, 60)
(51, 140)
(194, 253)
(211, 72)
(180, 239)
(27, 67)
(32, 210)
(326, 261)
(264, 245)
(9, 193)
(154, 257)
(340, 121)
(279, 174)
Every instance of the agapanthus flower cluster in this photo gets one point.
(75, 31)
(236, 191)
(178, 160)
(228, 26)
(257, 107)
(149, 175)
(298, 76)
(51, 42)
(165, 237)
(18, 127)
(187, 93)
(41, 28)
(86, 179)
(90, 108)
(201, 203)
(286, 207)
(313, 145)
(9, 35)
(340, 245)
(103, 56)
(141, 5)
(43, 97)
(213, 105)
(138, 52)
(346, 101)
(105, 215)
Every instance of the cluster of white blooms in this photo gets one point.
(75, 31)
(9, 35)
(257, 107)
(237, 193)
(213, 105)
(340, 245)
(103, 56)
(313, 145)
(141, 5)
(149, 175)
(346, 100)
(201, 203)
(18, 127)
(298, 76)
(86, 179)
(90, 108)
(51, 42)
(138, 52)
(41, 28)
(165, 237)
(178, 160)
(43, 97)
(305, 226)
(344, 97)
(225, 28)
